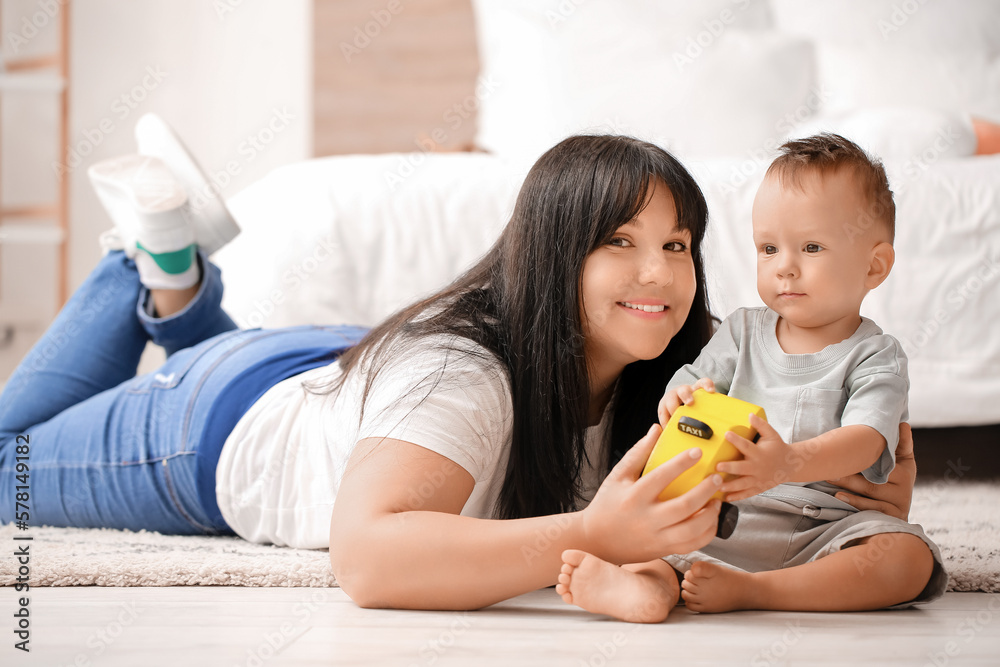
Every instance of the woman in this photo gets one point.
(448, 458)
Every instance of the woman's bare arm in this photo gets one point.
(397, 540)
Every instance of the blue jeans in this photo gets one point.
(108, 449)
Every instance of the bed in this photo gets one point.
(720, 83)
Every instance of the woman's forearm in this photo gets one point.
(437, 560)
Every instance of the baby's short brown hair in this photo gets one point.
(828, 153)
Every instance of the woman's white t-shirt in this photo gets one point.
(281, 466)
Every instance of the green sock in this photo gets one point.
(177, 269)
(174, 262)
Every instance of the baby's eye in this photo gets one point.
(813, 247)
(676, 246)
(769, 249)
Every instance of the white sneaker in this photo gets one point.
(134, 188)
(211, 221)
(147, 205)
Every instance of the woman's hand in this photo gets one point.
(680, 395)
(893, 497)
(627, 523)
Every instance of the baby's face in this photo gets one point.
(811, 263)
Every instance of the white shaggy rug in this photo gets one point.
(961, 517)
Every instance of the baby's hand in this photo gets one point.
(678, 396)
(765, 464)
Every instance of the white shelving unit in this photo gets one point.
(47, 223)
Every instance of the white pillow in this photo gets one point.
(902, 52)
(350, 239)
(702, 79)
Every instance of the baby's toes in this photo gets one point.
(573, 558)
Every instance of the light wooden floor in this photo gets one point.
(253, 627)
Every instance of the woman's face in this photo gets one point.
(637, 290)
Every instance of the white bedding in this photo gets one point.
(333, 241)
(341, 240)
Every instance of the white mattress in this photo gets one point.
(342, 240)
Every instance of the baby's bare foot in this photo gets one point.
(708, 588)
(604, 588)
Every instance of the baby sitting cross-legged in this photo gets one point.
(834, 388)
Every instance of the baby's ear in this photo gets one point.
(882, 258)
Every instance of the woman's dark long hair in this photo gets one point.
(521, 302)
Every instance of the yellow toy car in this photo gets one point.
(703, 424)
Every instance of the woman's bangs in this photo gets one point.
(628, 199)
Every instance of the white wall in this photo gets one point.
(218, 70)
(223, 69)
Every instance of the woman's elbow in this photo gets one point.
(367, 597)
(359, 578)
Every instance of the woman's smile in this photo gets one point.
(645, 309)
